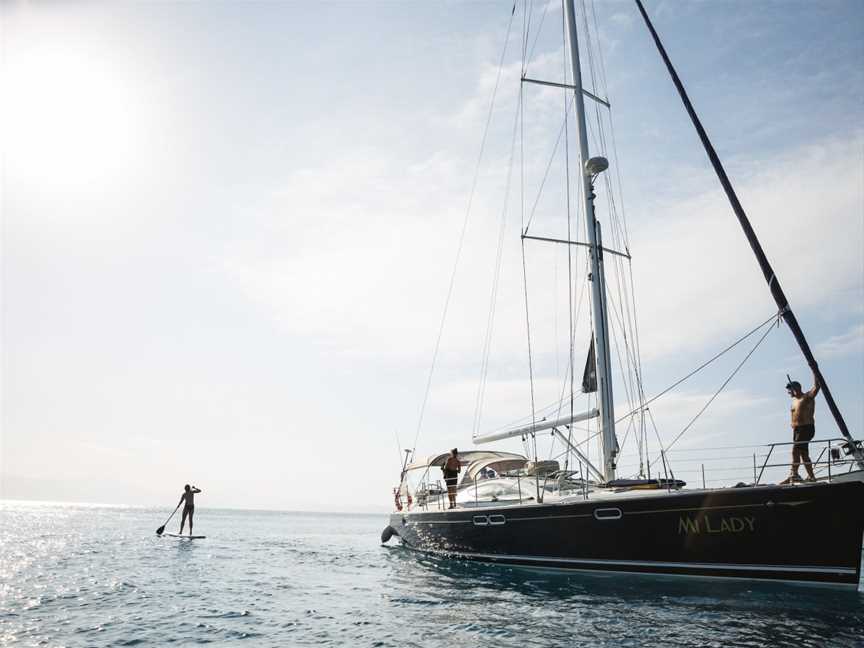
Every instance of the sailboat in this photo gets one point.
(513, 509)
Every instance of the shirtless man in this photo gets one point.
(803, 428)
(451, 469)
(189, 497)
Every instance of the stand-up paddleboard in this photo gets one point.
(184, 537)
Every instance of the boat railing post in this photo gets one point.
(665, 471)
(703, 475)
(754, 467)
(519, 486)
(584, 481)
(829, 461)
(819, 458)
(475, 491)
(765, 463)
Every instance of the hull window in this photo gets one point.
(489, 520)
(607, 514)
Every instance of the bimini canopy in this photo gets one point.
(498, 464)
(466, 458)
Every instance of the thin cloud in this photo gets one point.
(845, 344)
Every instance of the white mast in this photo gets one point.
(598, 285)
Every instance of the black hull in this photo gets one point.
(807, 533)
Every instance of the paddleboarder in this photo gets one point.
(188, 497)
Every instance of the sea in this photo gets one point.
(90, 576)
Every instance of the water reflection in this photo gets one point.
(732, 611)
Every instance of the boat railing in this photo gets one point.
(734, 465)
(834, 453)
(433, 493)
(727, 466)
(429, 492)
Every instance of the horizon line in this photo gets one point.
(95, 505)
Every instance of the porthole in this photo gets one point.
(607, 514)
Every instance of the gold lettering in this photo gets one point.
(727, 525)
(686, 525)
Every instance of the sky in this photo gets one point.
(228, 233)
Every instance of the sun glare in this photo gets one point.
(70, 115)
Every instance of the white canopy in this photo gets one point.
(465, 458)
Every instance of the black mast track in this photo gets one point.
(767, 271)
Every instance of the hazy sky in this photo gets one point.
(229, 228)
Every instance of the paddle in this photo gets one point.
(161, 529)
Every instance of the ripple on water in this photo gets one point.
(78, 576)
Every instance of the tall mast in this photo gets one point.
(598, 285)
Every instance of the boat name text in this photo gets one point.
(705, 524)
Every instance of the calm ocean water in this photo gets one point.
(98, 576)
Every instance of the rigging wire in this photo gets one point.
(626, 315)
(524, 263)
(462, 233)
(722, 387)
(659, 441)
(622, 270)
(560, 403)
(625, 320)
(562, 132)
(493, 300)
(572, 359)
(609, 114)
(537, 37)
(627, 384)
(490, 322)
(571, 326)
(527, 12)
(398, 445)
(773, 318)
(626, 434)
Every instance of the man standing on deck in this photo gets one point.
(451, 468)
(803, 428)
(189, 497)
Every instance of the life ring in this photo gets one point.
(398, 499)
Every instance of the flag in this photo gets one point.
(589, 378)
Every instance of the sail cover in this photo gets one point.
(589, 378)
